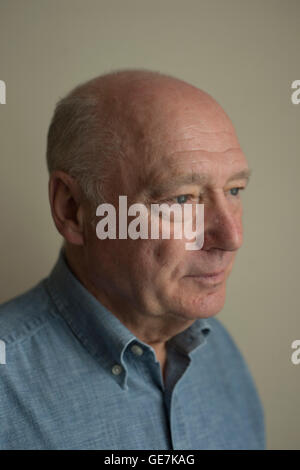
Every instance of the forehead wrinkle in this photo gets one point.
(165, 139)
(207, 142)
(197, 150)
(198, 130)
(163, 185)
(153, 166)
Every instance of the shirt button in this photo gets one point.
(137, 350)
(117, 369)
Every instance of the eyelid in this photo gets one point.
(241, 187)
(173, 198)
(236, 186)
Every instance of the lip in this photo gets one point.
(209, 278)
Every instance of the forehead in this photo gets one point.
(196, 167)
(212, 155)
(187, 139)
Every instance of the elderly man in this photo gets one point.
(118, 347)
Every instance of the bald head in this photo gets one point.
(124, 116)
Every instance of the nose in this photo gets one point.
(222, 225)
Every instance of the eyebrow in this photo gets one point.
(241, 175)
(160, 188)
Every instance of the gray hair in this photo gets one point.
(82, 139)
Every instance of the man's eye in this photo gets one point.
(235, 191)
(182, 199)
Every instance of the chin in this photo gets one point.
(204, 305)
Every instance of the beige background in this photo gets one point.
(246, 54)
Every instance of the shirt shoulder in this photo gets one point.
(23, 315)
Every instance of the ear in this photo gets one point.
(66, 203)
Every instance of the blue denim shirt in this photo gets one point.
(76, 378)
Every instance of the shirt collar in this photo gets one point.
(97, 328)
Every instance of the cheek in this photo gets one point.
(234, 231)
(158, 262)
(240, 220)
(168, 256)
(240, 230)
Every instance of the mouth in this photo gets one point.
(209, 279)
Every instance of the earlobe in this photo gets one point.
(73, 235)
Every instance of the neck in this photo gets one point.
(154, 330)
